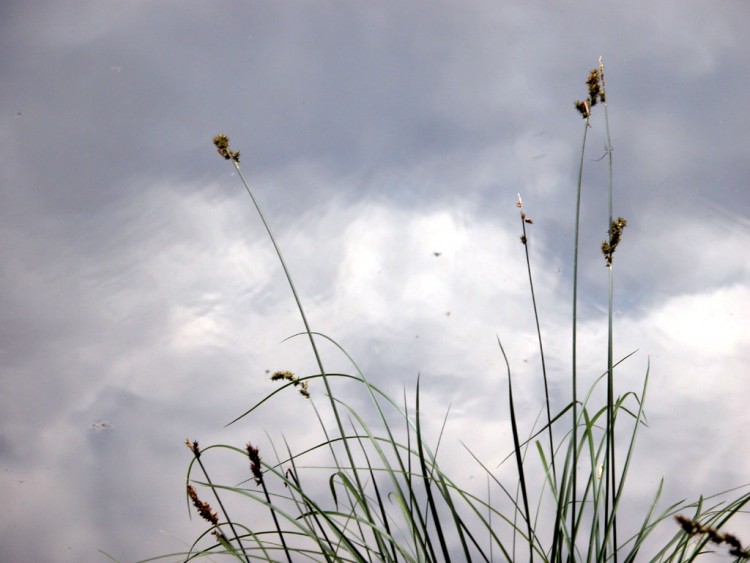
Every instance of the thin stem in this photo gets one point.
(611, 473)
(289, 281)
(309, 332)
(221, 506)
(574, 436)
(276, 520)
(525, 239)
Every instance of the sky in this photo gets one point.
(142, 302)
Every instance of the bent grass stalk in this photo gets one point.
(388, 498)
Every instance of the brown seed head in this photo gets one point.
(221, 141)
(615, 235)
(294, 380)
(255, 466)
(693, 527)
(193, 447)
(594, 86)
(222, 147)
(288, 375)
(203, 508)
(583, 108)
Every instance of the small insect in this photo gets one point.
(437, 254)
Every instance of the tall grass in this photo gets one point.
(373, 489)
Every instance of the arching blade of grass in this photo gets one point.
(222, 143)
(428, 484)
(629, 456)
(519, 461)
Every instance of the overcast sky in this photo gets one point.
(141, 303)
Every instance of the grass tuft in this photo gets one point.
(380, 493)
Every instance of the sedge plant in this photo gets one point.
(382, 495)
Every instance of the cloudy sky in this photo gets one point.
(142, 303)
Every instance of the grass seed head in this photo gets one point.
(594, 86)
(254, 455)
(693, 528)
(222, 147)
(583, 108)
(279, 375)
(289, 376)
(595, 83)
(203, 508)
(193, 447)
(615, 235)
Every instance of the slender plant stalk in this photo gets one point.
(525, 239)
(257, 470)
(611, 486)
(300, 308)
(197, 454)
(574, 367)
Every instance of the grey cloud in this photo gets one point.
(139, 289)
